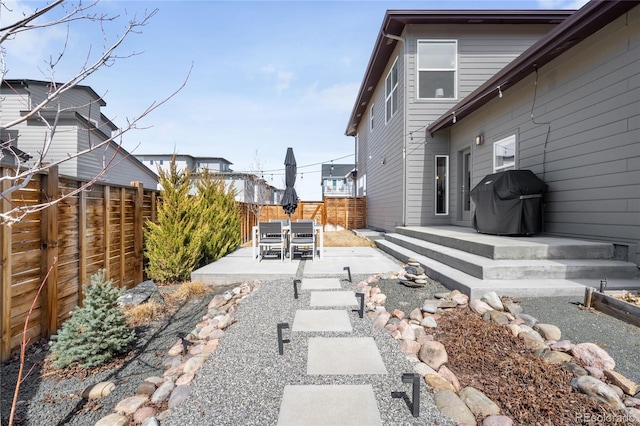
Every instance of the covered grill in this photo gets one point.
(509, 203)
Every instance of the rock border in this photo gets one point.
(597, 379)
(184, 360)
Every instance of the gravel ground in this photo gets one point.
(243, 380)
(48, 401)
(620, 339)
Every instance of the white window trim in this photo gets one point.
(435, 187)
(515, 153)
(371, 116)
(455, 69)
(390, 94)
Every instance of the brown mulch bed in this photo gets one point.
(489, 358)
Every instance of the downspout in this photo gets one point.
(404, 125)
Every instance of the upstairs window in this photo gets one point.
(391, 92)
(504, 154)
(437, 69)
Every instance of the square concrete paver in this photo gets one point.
(344, 355)
(333, 298)
(322, 320)
(320, 283)
(329, 405)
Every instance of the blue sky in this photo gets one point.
(266, 75)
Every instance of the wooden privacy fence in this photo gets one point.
(335, 213)
(101, 227)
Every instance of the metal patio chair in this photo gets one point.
(302, 234)
(271, 236)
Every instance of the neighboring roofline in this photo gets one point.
(395, 21)
(26, 82)
(118, 147)
(583, 23)
(194, 157)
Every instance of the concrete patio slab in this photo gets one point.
(322, 320)
(344, 355)
(239, 266)
(320, 283)
(361, 260)
(333, 298)
(308, 405)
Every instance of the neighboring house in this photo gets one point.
(194, 164)
(337, 180)
(80, 125)
(249, 187)
(252, 189)
(565, 108)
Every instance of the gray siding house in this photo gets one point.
(566, 107)
(337, 180)
(80, 126)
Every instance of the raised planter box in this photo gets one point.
(610, 305)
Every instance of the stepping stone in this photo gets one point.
(320, 283)
(333, 298)
(329, 405)
(322, 320)
(344, 355)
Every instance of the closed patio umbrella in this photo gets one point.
(290, 198)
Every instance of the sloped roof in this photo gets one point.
(339, 170)
(589, 19)
(27, 82)
(395, 21)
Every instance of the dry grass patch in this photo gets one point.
(345, 238)
(148, 312)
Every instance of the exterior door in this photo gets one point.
(464, 186)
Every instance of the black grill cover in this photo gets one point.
(509, 203)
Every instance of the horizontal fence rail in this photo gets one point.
(100, 227)
(332, 213)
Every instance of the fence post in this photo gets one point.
(49, 250)
(138, 231)
(121, 226)
(82, 243)
(107, 229)
(5, 274)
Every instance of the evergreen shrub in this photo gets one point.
(97, 331)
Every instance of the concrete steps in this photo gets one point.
(474, 263)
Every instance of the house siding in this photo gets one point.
(71, 136)
(384, 181)
(588, 101)
(482, 51)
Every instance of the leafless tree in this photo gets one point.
(50, 109)
(255, 189)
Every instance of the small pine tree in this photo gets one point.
(173, 244)
(219, 217)
(96, 331)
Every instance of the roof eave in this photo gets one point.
(395, 21)
(586, 21)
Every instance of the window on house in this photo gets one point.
(442, 184)
(391, 92)
(371, 117)
(437, 68)
(504, 154)
(151, 162)
(160, 162)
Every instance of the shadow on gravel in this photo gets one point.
(56, 396)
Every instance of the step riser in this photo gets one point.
(589, 251)
(522, 272)
(461, 265)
